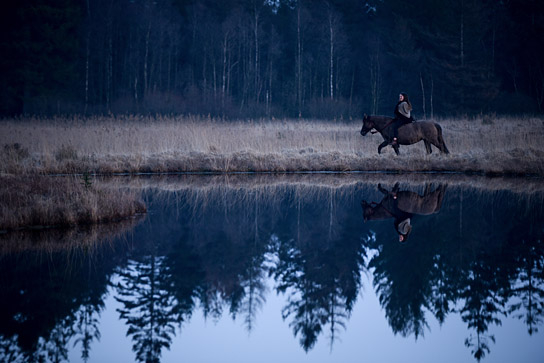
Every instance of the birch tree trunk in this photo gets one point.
(224, 72)
(87, 56)
(146, 59)
(331, 57)
(299, 63)
(432, 90)
(375, 79)
(422, 94)
(256, 36)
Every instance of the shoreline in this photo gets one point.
(136, 145)
(307, 172)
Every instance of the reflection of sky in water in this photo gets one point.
(367, 338)
(213, 242)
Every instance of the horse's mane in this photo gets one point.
(379, 118)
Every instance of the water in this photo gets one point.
(287, 269)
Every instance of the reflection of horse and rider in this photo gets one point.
(402, 205)
(402, 130)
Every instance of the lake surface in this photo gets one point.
(291, 268)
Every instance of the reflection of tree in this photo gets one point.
(235, 277)
(322, 286)
(49, 298)
(254, 272)
(147, 307)
(401, 279)
(304, 294)
(56, 346)
(484, 301)
(86, 327)
(183, 267)
(254, 291)
(529, 285)
(226, 240)
(443, 288)
(9, 350)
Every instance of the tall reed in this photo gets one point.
(36, 201)
(180, 144)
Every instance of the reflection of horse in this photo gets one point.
(402, 205)
(429, 132)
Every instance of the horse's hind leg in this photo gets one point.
(427, 190)
(428, 147)
(441, 144)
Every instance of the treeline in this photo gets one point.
(281, 58)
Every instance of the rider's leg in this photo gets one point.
(395, 132)
(396, 125)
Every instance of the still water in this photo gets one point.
(292, 268)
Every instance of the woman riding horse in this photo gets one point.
(428, 132)
(402, 116)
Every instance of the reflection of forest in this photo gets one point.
(52, 290)
(481, 256)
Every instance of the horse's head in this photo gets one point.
(368, 125)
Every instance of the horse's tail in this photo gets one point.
(443, 146)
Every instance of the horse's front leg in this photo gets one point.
(382, 145)
(396, 148)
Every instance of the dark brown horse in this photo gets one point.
(401, 205)
(407, 201)
(429, 132)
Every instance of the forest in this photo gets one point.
(326, 59)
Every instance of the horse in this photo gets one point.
(403, 205)
(406, 201)
(429, 132)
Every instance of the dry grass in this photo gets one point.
(85, 238)
(36, 202)
(143, 144)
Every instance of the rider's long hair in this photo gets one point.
(406, 99)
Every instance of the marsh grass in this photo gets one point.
(134, 144)
(77, 239)
(38, 202)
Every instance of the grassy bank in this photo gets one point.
(143, 144)
(37, 202)
(76, 239)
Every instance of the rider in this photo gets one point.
(402, 218)
(402, 115)
(403, 226)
